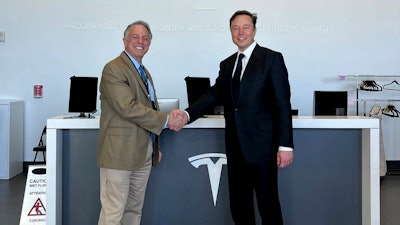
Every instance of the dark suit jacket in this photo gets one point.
(262, 114)
(127, 116)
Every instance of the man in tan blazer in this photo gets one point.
(129, 127)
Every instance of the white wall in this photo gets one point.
(49, 41)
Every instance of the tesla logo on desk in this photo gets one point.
(214, 169)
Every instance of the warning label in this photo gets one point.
(38, 209)
(34, 206)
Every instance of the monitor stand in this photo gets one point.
(82, 115)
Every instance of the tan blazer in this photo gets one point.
(127, 116)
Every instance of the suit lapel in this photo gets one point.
(230, 65)
(134, 72)
(249, 74)
(152, 84)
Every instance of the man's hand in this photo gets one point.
(284, 158)
(177, 119)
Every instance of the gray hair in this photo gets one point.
(139, 22)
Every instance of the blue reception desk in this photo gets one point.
(334, 178)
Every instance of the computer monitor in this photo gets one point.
(196, 87)
(168, 104)
(330, 103)
(83, 95)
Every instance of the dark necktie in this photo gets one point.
(143, 76)
(236, 77)
(145, 81)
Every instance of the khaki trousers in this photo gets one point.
(122, 194)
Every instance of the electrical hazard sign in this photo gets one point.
(34, 206)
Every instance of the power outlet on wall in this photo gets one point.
(2, 36)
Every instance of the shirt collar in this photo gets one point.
(136, 63)
(249, 50)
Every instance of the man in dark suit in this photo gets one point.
(258, 134)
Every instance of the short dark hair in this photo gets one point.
(139, 22)
(244, 12)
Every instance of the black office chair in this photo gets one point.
(330, 103)
(41, 147)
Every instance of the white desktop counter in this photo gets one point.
(370, 196)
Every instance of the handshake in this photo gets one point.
(177, 119)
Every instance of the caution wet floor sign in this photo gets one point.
(34, 207)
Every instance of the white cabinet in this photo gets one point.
(11, 138)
